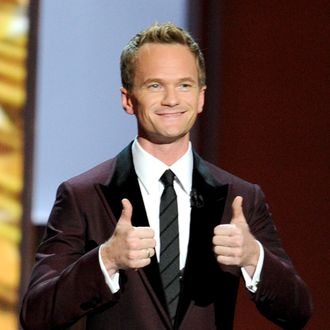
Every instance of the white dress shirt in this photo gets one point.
(149, 169)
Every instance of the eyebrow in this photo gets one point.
(160, 80)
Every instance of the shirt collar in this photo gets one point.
(149, 169)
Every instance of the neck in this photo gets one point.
(168, 153)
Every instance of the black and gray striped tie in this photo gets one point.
(169, 243)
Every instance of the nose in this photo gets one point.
(170, 97)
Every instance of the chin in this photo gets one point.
(170, 138)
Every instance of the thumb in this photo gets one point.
(237, 211)
(126, 213)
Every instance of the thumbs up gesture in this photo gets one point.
(233, 243)
(129, 246)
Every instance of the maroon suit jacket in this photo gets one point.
(67, 283)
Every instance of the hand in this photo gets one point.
(233, 243)
(128, 247)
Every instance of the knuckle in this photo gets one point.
(216, 240)
(238, 254)
(131, 255)
(133, 243)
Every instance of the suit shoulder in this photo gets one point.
(97, 174)
(225, 177)
(237, 186)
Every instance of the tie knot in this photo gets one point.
(167, 178)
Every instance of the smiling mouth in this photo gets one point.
(171, 114)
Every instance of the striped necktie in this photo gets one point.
(169, 243)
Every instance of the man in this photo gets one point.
(122, 235)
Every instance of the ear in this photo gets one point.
(201, 99)
(126, 101)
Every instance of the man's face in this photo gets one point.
(165, 96)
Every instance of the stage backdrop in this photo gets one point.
(267, 120)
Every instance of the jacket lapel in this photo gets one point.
(202, 271)
(124, 184)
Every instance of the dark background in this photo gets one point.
(267, 120)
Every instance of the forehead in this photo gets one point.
(169, 59)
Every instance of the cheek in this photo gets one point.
(144, 116)
(147, 109)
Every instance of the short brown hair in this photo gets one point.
(167, 33)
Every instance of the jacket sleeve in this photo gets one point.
(282, 296)
(66, 281)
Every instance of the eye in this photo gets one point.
(185, 86)
(154, 86)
